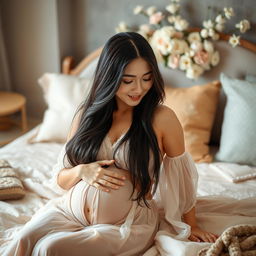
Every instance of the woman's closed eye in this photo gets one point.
(147, 79)
(144, 79)
(127, 81)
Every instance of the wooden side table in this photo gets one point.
(11, 103)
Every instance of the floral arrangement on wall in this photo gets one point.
(176, 45)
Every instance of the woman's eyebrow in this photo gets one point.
(128, 75)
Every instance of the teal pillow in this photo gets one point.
(238, 133)
(250, 78)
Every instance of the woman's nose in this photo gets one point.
(138, 86)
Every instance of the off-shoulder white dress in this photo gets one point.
(117, 225)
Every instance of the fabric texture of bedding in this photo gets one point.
(220, 204)
(195, 108)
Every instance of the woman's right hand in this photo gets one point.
(97, 175)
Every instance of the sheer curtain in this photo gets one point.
(5, 83)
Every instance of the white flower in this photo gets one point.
(185, 62)
(194, 71)
(172, 8)
(138, 9)
(150, 10)
(211, 32)
(161, 42)
(122, 27)
(216, 36)
(208, 24)
(234, 40)
(219, 27)
(173, 61)
(243, 25)
(204, 33)
(194, 36)
(171, 19)
(181, 24)
(208, 46)
(229, 12)
(146, 28)
(169, 31)
(220, 19)
(156, 18)
(196, 46)
(191, 53)
(178, 46)
(215, 59)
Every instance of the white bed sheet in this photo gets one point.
(218, 198)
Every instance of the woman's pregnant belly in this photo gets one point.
(101, 207)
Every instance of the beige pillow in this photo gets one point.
(63, 94)
(10, 185)
(195, 107)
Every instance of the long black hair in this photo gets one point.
(97, 112)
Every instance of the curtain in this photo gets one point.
(5, 83)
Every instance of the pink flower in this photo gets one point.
(173, 61)
(156, 18)
(201, 57)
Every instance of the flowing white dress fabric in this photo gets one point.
(176, 194)
(60, 227)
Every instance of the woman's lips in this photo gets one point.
(134, 98)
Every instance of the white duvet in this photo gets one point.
(221, 203)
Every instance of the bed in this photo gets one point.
(227, 184)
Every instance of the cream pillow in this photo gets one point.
(195, 107)
(63, 94)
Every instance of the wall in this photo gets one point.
(39, 34)
(31, 39)
(103, 16)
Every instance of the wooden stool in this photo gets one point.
(11, 103)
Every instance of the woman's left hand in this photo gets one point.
(199, 235)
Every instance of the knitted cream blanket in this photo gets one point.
(238, 240)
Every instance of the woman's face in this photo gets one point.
(136, 81)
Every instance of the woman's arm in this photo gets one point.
(197, 234)
(93, 173)
(173, 145)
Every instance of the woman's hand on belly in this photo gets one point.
(97, 175)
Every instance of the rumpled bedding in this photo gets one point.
(220, 203)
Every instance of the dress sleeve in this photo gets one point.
(176, 193)
(61, 163)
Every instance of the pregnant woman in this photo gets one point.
(123, 147)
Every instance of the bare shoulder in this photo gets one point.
(165, 119)
(168, 127)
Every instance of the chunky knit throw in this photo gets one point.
(239, 240)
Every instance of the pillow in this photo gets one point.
(10, 185)
(238, 136)
(195, 108)
(250, 78)
(234, 172)
(63, 94)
